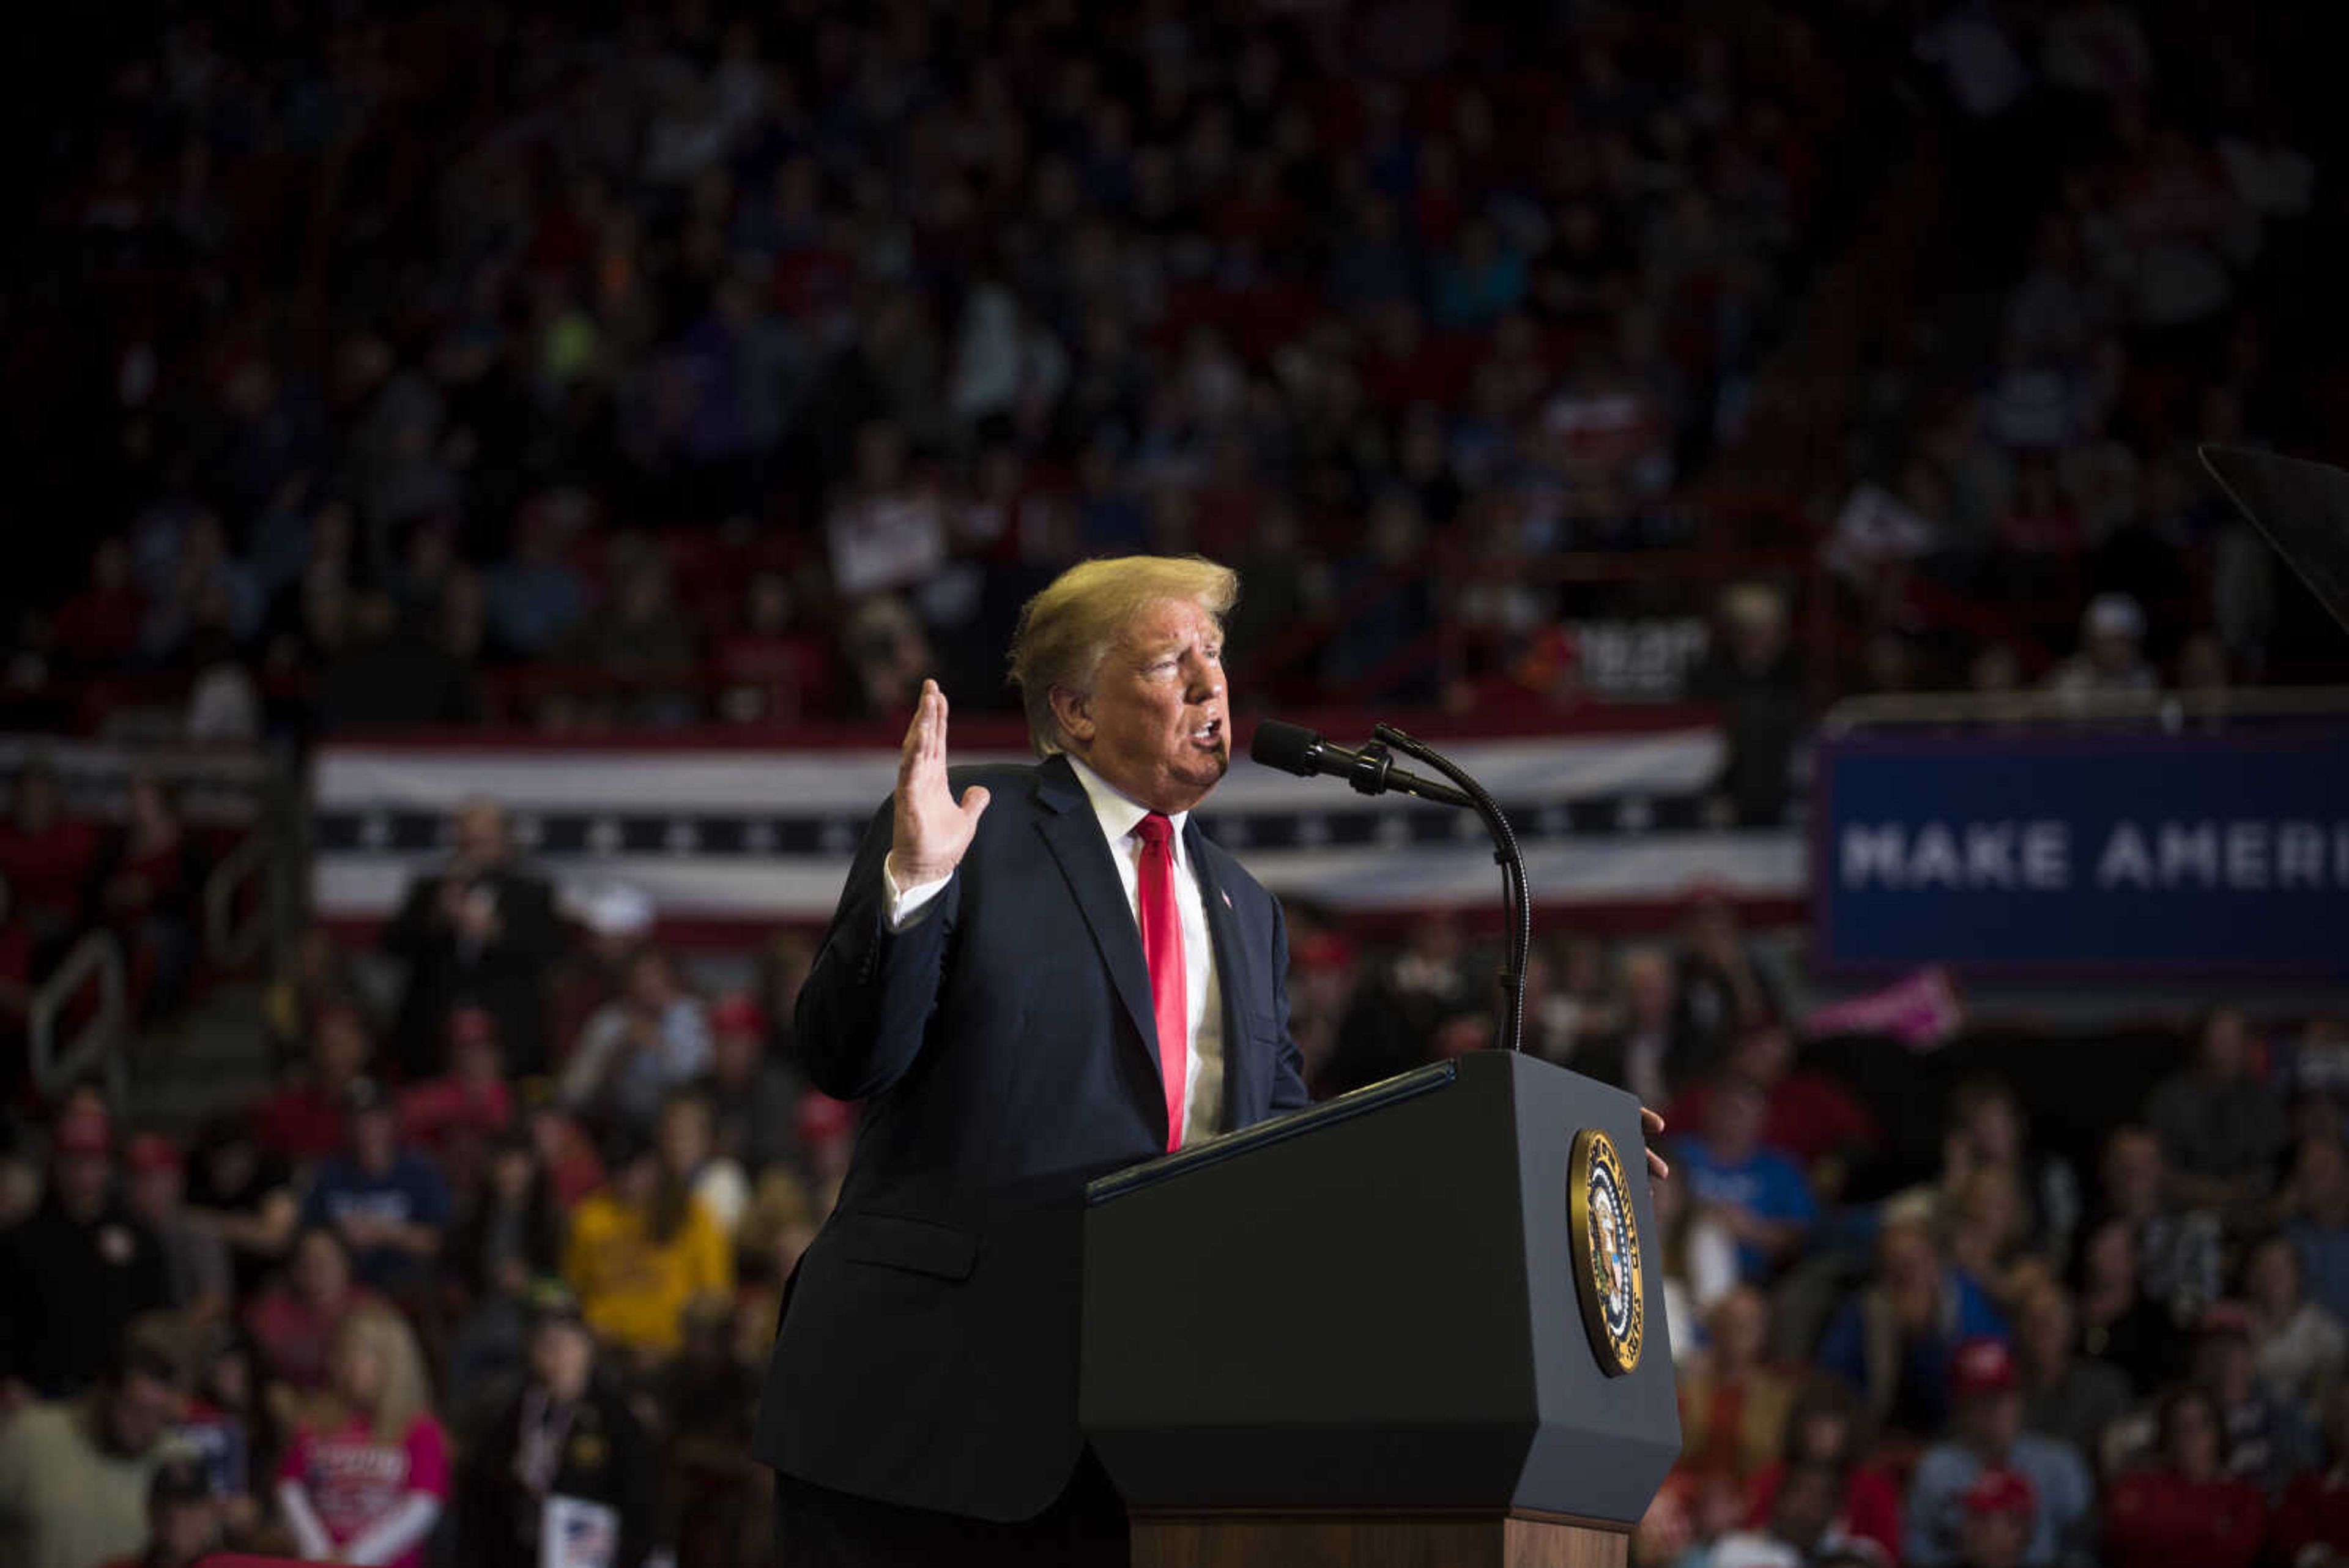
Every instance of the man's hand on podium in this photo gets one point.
(1653, 1125)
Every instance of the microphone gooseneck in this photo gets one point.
(1294, 749)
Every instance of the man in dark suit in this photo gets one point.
(483, 932)
(992, 986)
(1035, 975)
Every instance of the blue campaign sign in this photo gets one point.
(2084, 853)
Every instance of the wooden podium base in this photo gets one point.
(1268, 1537)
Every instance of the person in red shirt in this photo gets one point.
(1828, 1427)
(454, 1117)
(2186, 1511)
(2311, 1524)
(304, 1119)
(367, 1480)
(294, 1324)
(47, 859)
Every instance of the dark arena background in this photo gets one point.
(552, 444)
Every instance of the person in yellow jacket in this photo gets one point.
(642, 1247)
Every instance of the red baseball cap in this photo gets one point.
(1982, 1365)
(2001, 1491)
(736, 1015)
(85, 1129)
(151, 1151)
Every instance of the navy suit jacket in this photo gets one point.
(1006, 1052)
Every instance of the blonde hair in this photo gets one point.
(1066, 629)
(402, 1394)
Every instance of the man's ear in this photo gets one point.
(1074, 712)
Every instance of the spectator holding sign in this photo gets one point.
(563, 1439)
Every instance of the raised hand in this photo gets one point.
(930, 832)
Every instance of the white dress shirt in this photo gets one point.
(1119, 814)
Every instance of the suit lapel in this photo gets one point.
(1244, 1097)
(1073, 835)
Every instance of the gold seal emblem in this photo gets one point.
(1604, 1233)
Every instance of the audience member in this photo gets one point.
(564, 1440)
(616, 919)
(2319, 1222)
(75, 1473)
(1825, 1425)
(1752, 1190)
(183, 1518)
(481, 932)
(2221, 1127)
(1726, 989)
(387, 1203)
(2120, 1325)
(228, 1430)
(366, 1481)
(47, 857)
(2189, 1508)
(1896, 1342)
(1986, 1435)
(1996, 1516)
(79, 1269)
(2178, 1249)
(2110, 663)
(1648, 1057)
(1734, 1408)
(641, 1248)
(751, 1094)
(2312, 1524)
(2297, 1346)
(195, 1260)
(683, 1137)
(509, 1237)
(149, 882)
(1800, 1527)
(242, 1195)
(653, 1038)
(2269, 1439)
(2066, 1395)
(1809, 1117)
(294, 1323)
(304, 1119)
(450, 1119)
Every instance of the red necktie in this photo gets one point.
(1161, 948)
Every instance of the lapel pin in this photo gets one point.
(1228, 900)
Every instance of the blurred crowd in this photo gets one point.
(606, 365)
(515, 1230)
(507, 1239)
(619, 364)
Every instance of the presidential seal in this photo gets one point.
(1604, 1235)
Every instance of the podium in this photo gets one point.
(1356, 1336)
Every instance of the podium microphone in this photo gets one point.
(1294, 749)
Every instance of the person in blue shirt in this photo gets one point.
(1987, 1434)
(389, 1205)
(1757, 1193)
(2319, 1225)
(1896, 1340)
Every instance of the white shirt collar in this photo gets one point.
(1118, 811)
